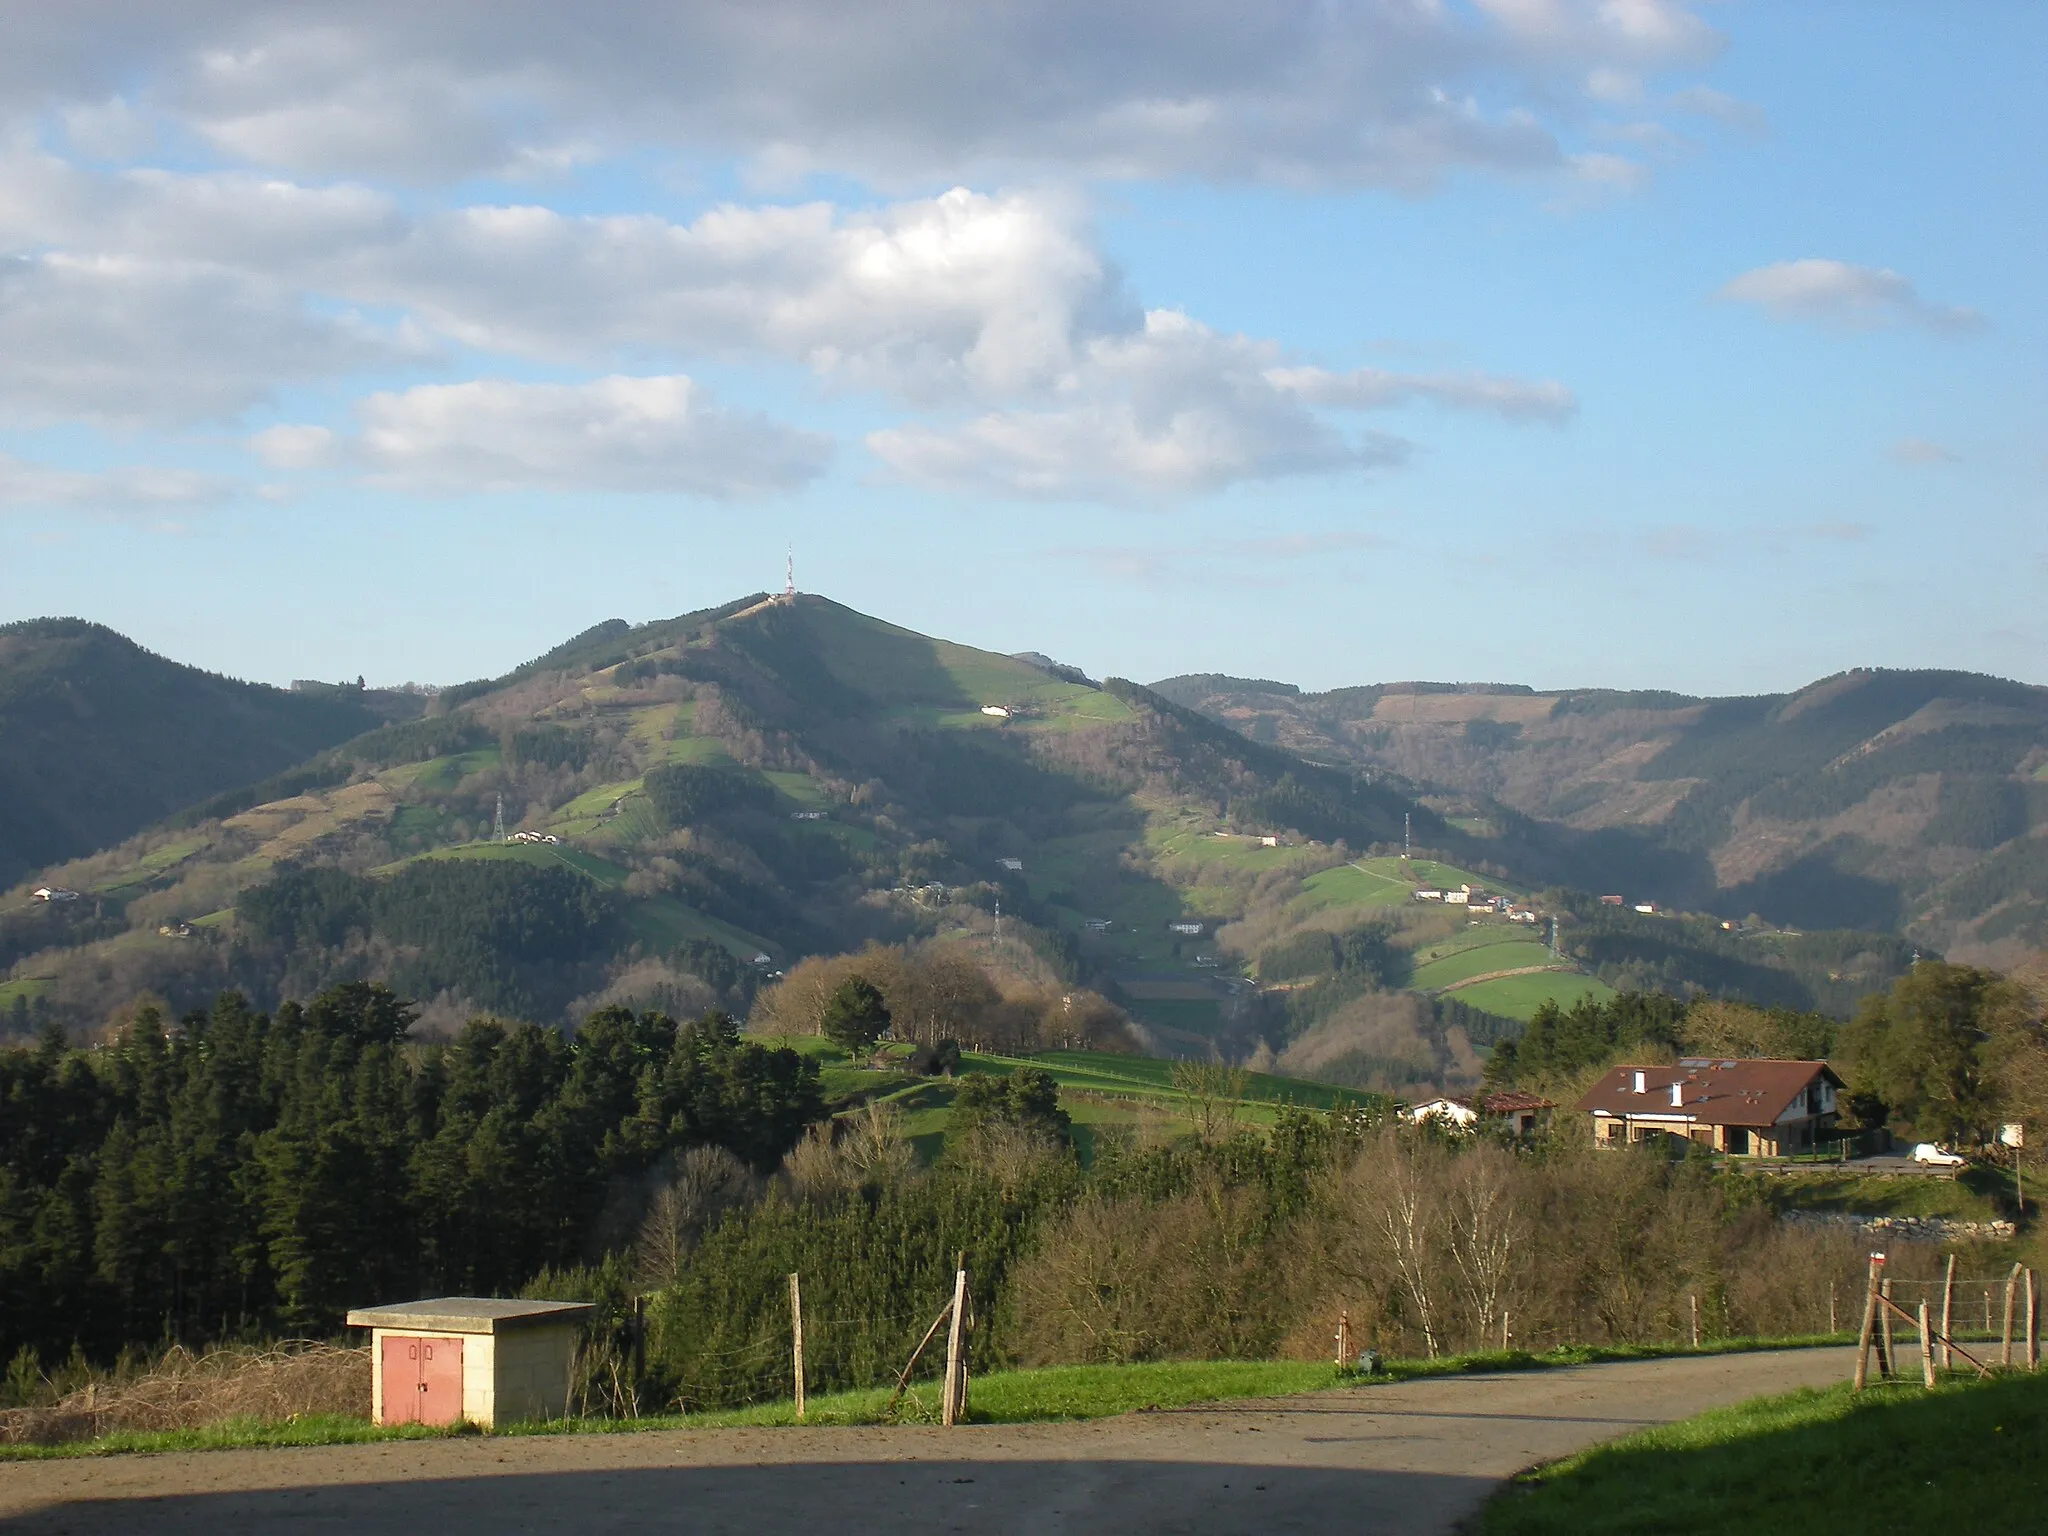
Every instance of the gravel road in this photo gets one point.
(1407, 1457)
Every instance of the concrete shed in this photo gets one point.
(479, 1358)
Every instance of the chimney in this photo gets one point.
(1678, 1095)
(1639, 1083)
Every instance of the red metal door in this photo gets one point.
(440, 1391)
(401, 1362)
(422, 1380)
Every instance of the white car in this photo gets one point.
(1931, 1154)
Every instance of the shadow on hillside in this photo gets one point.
(935, 1493)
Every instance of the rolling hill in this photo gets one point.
(99, 737)
(1907, 802)
(666, 814)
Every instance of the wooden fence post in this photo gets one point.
(1887, 1362)
(796, 1341)
(949, 1412)
(2005, 1333)
(1948, 1299)
(2033, 1337)
(1343, 1339)
(1832, 1330)
(1869, 1319)
(1926, 1350)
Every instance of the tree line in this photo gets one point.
(237, 1173)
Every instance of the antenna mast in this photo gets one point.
(498, 822)
(1407, 826)
(789, 578)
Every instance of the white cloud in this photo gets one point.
(1173, 408)
(1350, 92)
(1374, 388)
(925, 298)
(124, 489)
(658, 435)
(1841, 293)
(1920, 451)
(119, 339)
(287, 447)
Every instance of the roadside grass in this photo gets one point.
(1051, 1393)
(1896, 1459)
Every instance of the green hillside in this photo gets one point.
(1913, 803)
(691, 806)
(99, 738)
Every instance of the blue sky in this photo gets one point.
(1569, 342)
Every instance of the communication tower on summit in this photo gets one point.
(1407, 826)
(498, 822)
(789, 578)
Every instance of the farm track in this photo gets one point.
(1520, 970)
(1412, 1457)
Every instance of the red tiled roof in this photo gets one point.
(1513, 1101)
(1717, 1091)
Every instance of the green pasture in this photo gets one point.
(439, 775)
(1383, 882)
(800, 788)
(29, 987)
(1978, 1194)
(1518, 997)
(1478, 960)
(1895, 1458)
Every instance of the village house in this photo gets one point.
(1518, 1110)
(1745, 1108)
(52, 893)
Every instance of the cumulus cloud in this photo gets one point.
(1844, 294)
(1356, 92)
(964, 291)
(656, 435)
(1174, 407)
(125, 489)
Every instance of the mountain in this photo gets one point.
(1913, 802)
(666, 815)
(99, 737)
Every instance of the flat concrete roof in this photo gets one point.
(467, 1314)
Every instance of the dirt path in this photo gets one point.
(1411, 1457)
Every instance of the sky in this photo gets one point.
(1622, 343)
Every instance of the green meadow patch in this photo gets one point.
(1896, 1458)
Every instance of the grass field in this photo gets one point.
(1518, 997)
(1896, 1459)
(1384, 882)
(1479, 960)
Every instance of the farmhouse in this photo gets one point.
(1427, 893)
(996, 711)
(1519, 1110)
(1748, 1108)
(1455, 1112)
(52, 893)
(1014, 866)
(1610, 901)
(1097, 924)
(1187, 926)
